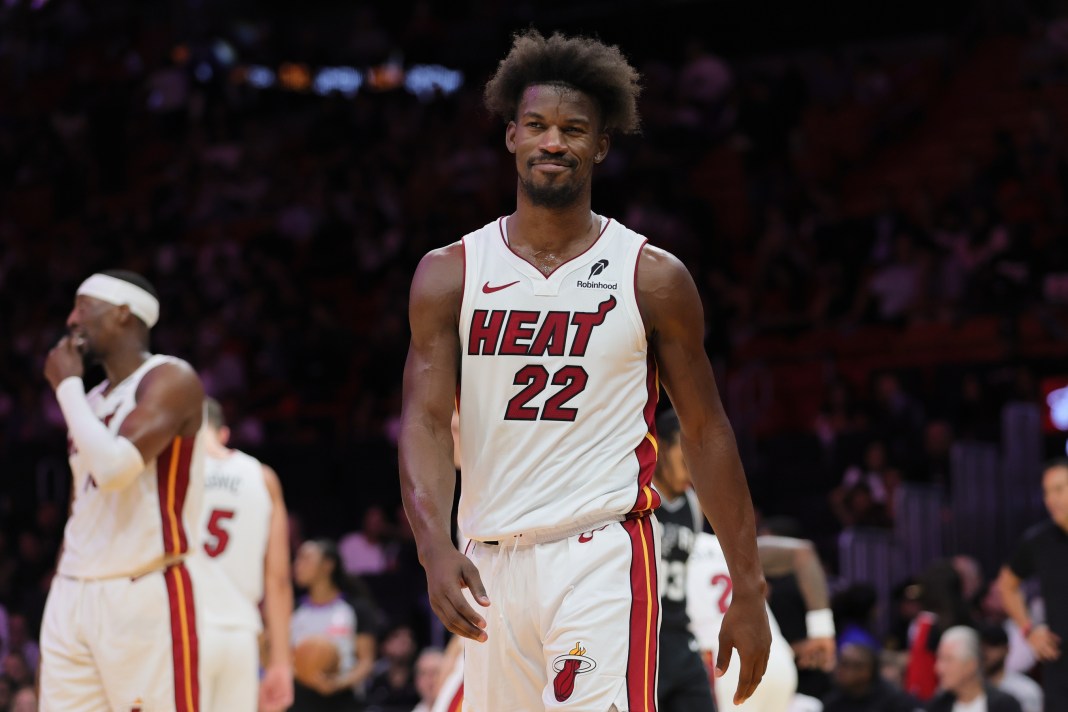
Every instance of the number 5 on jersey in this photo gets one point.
(215, 529)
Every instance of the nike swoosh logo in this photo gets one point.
(487, 289)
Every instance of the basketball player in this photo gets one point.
(554, 326)
(684, 684)
(119, 628)
(709, 585)
(244, 559)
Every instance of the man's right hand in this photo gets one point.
(1045, 643)
(448, 572)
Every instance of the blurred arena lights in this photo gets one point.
(344, 80)
(259, 76)
(426, 80)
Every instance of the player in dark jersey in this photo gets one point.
(683, 682)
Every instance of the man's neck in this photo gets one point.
(970, 690)
(994, 677)
(123, 361)
(213, 448)
(551, 230)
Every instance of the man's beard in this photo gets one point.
(553, 195)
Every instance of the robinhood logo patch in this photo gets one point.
(596, 269)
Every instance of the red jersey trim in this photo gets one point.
(644, 617)
(647, 450)
(184, 644)
(172, 485)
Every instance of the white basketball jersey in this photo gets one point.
(111, 534)
(558, 388)
(234, 530)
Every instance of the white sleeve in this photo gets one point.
(113, 460)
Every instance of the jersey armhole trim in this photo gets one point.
(636, 311)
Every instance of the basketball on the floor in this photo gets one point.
(314, 655)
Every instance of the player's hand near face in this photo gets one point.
(64, 361)
(448, 572)
(745, 627)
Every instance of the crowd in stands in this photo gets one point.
(877, 233)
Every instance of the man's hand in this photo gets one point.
(815, 654)
(447, 573)
(1045, 643)
(745, 627)
(64, 361)
(276, 688)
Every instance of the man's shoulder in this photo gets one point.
(169, 367)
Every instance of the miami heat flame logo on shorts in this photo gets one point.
(566, 667)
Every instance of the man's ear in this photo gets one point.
(603, 144)
(509, 136)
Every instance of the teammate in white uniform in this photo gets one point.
(119, 628)
(244, 558)
(554, 327)
(709, 588)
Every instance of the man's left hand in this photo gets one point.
(745, 627)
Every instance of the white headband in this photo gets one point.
(118, 292)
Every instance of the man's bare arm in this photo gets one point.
(170, 401)
(276, 688)
(674, 319)
(782, 555)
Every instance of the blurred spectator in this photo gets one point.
(995, 649)
(960, 677)
(428, 670)
(858, 686)
(25, 700)
(896, 292)
(857, 506)
(7, 692)
(365, 551)
(1020, 658)
(972, 586)
(393, 684)
(16, 669)
(944, 607)
(24, 641)
(896, 417)
(854, 615)
(933, 464)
